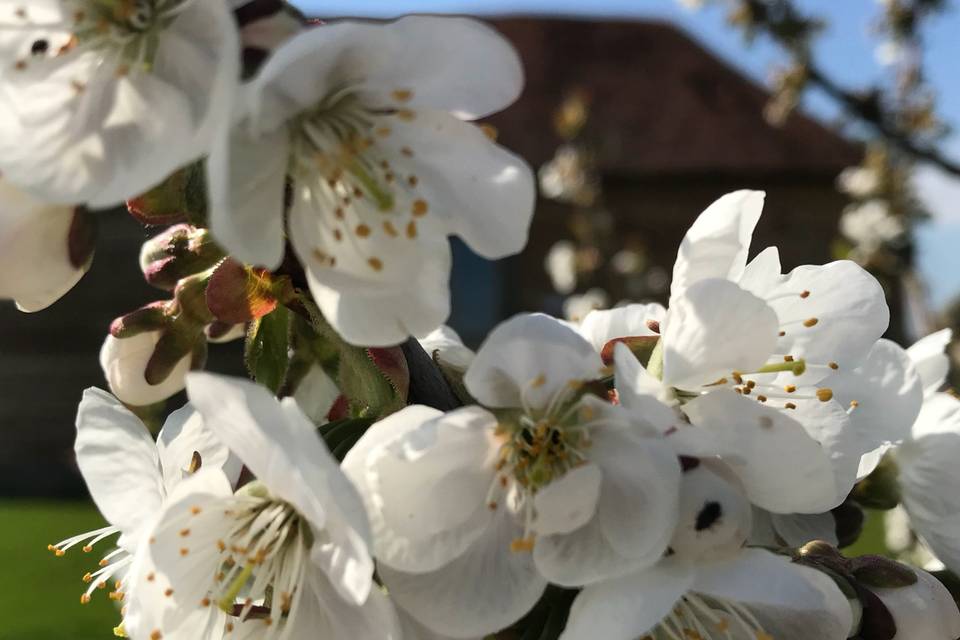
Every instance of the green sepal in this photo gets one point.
(266, 353)
(877, 571)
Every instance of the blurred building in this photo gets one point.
(672, 127)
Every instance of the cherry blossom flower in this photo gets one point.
(103, 100)
(474, 510)
(130, 478)
(381, 164)
(774, 364)
(43, 249)
(286, 553)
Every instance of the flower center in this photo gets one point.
(348, 166)
(125, 33)
(538, 446)
(262, 558)
(699, 617)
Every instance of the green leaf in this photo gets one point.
(267, 348)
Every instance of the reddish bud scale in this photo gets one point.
(151, 317)
(82, 238)
(393, 365)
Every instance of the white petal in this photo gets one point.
(163, 568)
(870, 460)
(444, 344)
(716, 245)
(803, 603)
(183, 434)
(280, 446)
(924, 611)
(712, 328)
(847, 305)
(118, 460)
(388, 318)
(438, 60)
(931, 362)
(316, 394)
(600, 327)
(929, 477)
(530, 358)
(628, 607)
(569, 502)
(327, 616)
(641, 394)
(714, 516)
(484, 590)
(484, 193)
(246, 181)
(762, 273)
(638, 497)
(582, 557)
(887, 391)
(426, 486)
(782, 467)
(35, 263)
(797, 529)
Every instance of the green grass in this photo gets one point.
(41, 593)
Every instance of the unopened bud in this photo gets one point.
(180, 198)
(925, 609)
(148, 353)
(125, 362)
(237, 293)
(180, 251)
(44, 249)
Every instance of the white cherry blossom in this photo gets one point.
(772, 365)
(287, 552)
(102, 99)
(474, 510)
(130, 478)
(366, 123)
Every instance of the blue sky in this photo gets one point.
(847, 48)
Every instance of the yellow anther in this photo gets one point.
(805, 294)
(362, 230)
(824, 395)
(790, 388)
(833, 365)
(420, 208)
(85, 598)
(522, 545)
(809, 322)
(789, 405)
(412, 230)
(402, 95)
(376, 264)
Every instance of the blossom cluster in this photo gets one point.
(647, 472)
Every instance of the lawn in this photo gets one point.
(41, 593)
